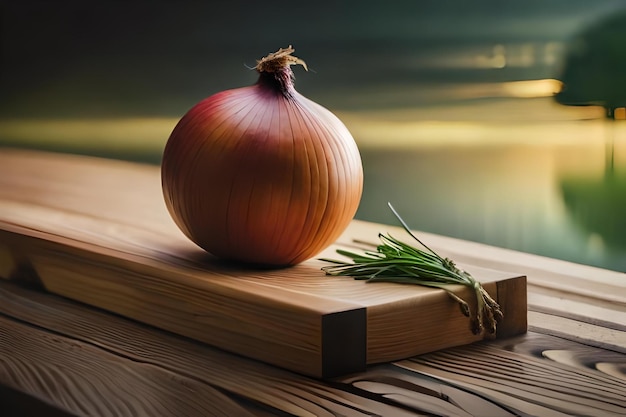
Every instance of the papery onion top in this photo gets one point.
(278, 60)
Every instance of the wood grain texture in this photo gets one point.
(531, 375)
(99, 233)
(124, 352)
(89, 381)
(505, 377)
(93, 354)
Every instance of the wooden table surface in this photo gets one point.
(61, 357)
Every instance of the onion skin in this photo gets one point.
(261, 174)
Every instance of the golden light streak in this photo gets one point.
(532, 88)
(115, 133)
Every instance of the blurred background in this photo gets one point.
(451, 102)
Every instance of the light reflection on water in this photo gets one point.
(510, 194)
(506, 197)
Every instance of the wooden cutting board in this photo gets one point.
(97, 231)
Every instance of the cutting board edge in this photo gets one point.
(338, 343)
(338, 354)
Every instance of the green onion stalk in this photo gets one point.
(399, 262)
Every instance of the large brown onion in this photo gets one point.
(261, 174)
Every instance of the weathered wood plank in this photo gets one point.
(92, 382)
(533, 375)
(546, 387)
(578, 330)
(118, 344)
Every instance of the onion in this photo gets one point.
(261, 174)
